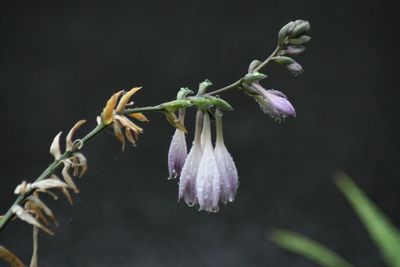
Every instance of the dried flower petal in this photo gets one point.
(125, 99)
(139, 116)
(118, 133)
(21, 188)
(175, 121)
(10, 258)
(68, 178)
(48, 184)
(35, 201)
(25, 216)
(55, 147)
(69, 142)
(208, 178)
(64, 190)
(108, 111)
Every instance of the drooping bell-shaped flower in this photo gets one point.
(208, 182)
(227, 169)
(177, 150)
(187, 180)
(272, 102)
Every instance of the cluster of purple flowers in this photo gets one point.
(207, 175)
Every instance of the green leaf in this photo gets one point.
(308, 248)
(382, 231)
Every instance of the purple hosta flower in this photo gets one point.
(208, 182)
(295, 68)
(177, 151)
(226, 165)
(187, 180)
(273, 102)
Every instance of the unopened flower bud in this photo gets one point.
(283, 33)
(274, 102)
(284, 60)
(300, 40)
(254, 64)
(295, 68)
(293, 50)
(302, 27)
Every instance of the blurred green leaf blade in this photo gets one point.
(308, 248)
(382, 231)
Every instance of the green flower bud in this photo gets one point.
(283, 33)
(299, 41)
(254, 64)
(302, 27)
(284, 60)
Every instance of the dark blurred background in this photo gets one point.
(60, 63)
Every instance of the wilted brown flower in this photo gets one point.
(122, 125)
(74, 159)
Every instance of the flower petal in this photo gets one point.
(69, 142)
(139, 116)
(177, 154)
(125, 98)
(55, 147)
(208, 177)
(108, 111)
(228, 173)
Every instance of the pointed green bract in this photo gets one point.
(382, 231)
(308, 248)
